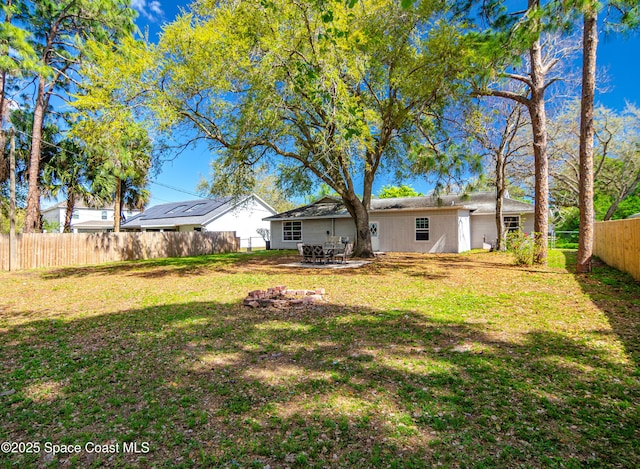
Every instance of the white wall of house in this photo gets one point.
(397, 231)
(483, 227)
(313, 231)
(80, 215)
(245, 220)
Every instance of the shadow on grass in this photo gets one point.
(155, 268)
(617, 295)
(440, 265)
(255, 261)
(218, 385)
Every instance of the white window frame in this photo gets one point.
(426, 230)
(104, 215)
(508, 226)
(291, 231)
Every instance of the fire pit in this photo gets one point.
(280, 297)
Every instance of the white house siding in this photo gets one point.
(245, 220)
(483, 227)
(314, 231)
(81, 215)
(397, 231)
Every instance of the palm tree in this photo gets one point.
(69, 173)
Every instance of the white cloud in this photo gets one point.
(150, 10)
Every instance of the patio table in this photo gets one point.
(321, 253)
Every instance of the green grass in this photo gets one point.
(415, 361)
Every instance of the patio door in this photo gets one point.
(374, 229)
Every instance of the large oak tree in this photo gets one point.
(321, 92)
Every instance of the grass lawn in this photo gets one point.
(415, 361)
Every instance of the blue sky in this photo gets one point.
(618, 55)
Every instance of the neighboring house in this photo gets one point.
(448, 223)
(85, 219)
(635, 215)
(244, 216)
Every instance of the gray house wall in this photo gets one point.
(397, 231)
(450, 230)
(484, 227)
(313, 231)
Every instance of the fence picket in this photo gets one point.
(67, 249)
(617, 243)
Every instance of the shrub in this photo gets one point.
(522, 246)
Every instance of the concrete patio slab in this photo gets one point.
(353, 264)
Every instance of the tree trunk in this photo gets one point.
(626, 193)
(12, 202)
(4, 166)
(33, 223)
(68, 216)
(500, 188)
(117, 206)
(360, 216)
(612, 209)
(587, 212)
(539, 126)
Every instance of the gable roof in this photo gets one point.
(189, 212)
(80, 204)
(477, 203)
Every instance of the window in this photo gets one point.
(422, 229)
(511, 223)
(104, 214)
(373, 229)
(292, 231)
(75, 216)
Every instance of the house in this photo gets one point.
(85, 219)
(244, 216)
(448, 223)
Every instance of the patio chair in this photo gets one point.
(305, 252)
(348, 250)
(317, 253)
(330, 249)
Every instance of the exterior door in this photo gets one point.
(374, 229)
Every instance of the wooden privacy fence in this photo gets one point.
(617, 243)
(57, 250)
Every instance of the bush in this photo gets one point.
(522, 245)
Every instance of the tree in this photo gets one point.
(630, 15)
(318, 91)
(534, 85)
(58, 32)
(587, 213)
(120, 159)
(266, 187)
(17, 56)
(389, 192)
(499, 129)
(69, 173)
(616, 161)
